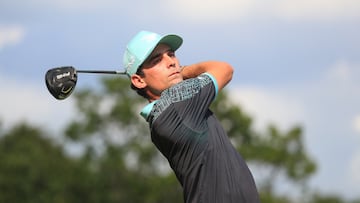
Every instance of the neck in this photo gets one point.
(152, 97)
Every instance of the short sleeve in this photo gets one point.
(191, 98)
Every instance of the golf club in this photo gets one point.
(61, 81)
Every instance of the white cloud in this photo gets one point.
(318, 9)
(210, 10)
(11, 35)
(83, 5)
(354, 170)
(343, 72)
(337, 89)
(235, 10)
(356, 124)
(68, 4)
(328, 109)
(269, 106)
(23, 101)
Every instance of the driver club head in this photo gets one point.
(61, 81)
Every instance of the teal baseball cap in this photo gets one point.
(141, 46)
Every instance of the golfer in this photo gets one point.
(182, 127)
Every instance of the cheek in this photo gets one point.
(156, 80)
(156, 76)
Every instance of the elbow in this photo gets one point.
(229, 71)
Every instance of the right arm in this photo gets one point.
(221, 71)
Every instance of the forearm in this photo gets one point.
(220, 70)
(193, 70)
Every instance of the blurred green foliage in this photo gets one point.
(118, 162)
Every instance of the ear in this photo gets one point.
(138, 81)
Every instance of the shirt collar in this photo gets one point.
(145, 112)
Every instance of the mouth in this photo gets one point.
(174, 73)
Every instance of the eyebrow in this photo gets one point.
(158, 55)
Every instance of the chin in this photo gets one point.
(176, 81)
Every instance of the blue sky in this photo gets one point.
(296, 62)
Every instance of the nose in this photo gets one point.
(170, 61)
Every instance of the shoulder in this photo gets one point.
(187, 88)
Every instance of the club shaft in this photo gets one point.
(100, 71)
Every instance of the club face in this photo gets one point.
(61, 81)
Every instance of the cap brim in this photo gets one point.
(173, 41)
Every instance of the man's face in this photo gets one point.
(161, 69)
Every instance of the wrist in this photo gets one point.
(183, 73)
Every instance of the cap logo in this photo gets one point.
(131, 62)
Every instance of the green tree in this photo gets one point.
(128, 166)
(34, 169)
